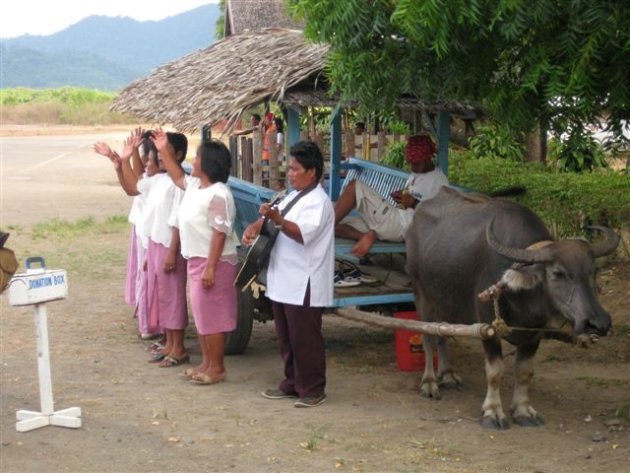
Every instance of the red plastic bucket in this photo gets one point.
(409, 350)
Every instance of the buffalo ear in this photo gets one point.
(519, 280)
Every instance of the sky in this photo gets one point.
(44, 17)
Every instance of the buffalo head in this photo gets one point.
(565, 271)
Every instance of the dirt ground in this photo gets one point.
(140, 418)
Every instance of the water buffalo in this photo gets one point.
(459, 245)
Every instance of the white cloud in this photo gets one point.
(44, 17)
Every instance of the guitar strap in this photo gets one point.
(255, 264)
(305, 191)
(269, 228)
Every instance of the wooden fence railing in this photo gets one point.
(247, 154)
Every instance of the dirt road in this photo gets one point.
(141, 418)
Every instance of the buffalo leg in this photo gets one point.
(522, 412)
(447, 378)
(493, 416)
(429, 386)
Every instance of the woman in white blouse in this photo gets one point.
(205, 220)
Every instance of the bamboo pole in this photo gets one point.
(442, 329)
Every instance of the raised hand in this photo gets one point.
(159, 139)
(100, 147)
(136, 137)
(116, 161)
(128, 147)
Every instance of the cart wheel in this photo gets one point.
(237, 340)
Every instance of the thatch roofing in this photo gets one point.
(249, 16)
(221, 81)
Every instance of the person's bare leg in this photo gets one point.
(364, 244)
(177, 350)
(205, 358)
(364, 240)
(214, 345)
(216, 348)
(346, 203)
(346, 231)
(168, 346)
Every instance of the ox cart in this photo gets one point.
(368, 302)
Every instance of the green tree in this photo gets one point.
(530, 63)
(219, 27)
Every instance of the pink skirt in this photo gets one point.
(214, 309)
(166, 292)
(145, 326)
(132, 269)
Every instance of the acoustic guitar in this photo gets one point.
(257, 257)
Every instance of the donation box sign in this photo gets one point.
(38, 286)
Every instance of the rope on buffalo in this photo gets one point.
(493, 292)
(503, 329)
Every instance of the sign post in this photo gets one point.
(35, 287)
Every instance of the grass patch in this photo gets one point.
(62, 106)
(58, 229)
(623, 412)
(622, 330)
(313, 441)
(602, 383)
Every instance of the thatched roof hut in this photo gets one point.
(221, 81)
(249, 16)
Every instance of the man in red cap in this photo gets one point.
(379, 220)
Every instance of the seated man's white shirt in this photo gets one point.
(422, 186)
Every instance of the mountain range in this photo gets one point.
(104, 53)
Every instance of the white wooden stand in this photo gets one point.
(29, 420)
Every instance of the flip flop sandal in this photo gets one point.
(203, 379)
(155, 346)
(188, 373)
(171, 361)
(157, 357)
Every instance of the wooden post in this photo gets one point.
(236, 158)
(381, 142)
(257, 157)
(349, 143)
(247, 162)
(272, 166)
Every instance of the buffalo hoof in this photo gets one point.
(527, 421)
(450, 380)
(492, 423)
(430, 391)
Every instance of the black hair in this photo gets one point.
(179, 142)
(150, 151)
(147, 146)
(216, 160)
(309, 156)
(256, 116)
(279, 124)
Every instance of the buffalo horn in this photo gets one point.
(520, 255)
(607, 245)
